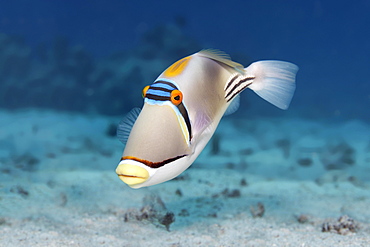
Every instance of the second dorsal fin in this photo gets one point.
(223, 58)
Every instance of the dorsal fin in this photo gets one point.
(125, 125)
(223, 58)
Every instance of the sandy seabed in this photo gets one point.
(265, 182)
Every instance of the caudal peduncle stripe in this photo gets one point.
(238, 87)
(231, 81)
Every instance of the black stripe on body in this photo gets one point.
(185, 115)
(243, 83)
(231, 81)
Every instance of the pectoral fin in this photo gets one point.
(124, 127)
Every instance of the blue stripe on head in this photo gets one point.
(158, 92)
(166, 81)
(160, 84)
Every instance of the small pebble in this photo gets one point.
(257, 211)
(243, 182)
(305, 162)
(178, 192)
(302, 218)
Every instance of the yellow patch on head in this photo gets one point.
(176, 68)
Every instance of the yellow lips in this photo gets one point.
(131, 174)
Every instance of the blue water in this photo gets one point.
(70, 70)
(328, 40)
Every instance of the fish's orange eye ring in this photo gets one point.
(144, 90)
(176, 97)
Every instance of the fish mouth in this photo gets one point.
(132, 174)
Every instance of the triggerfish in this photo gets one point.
(183, 107)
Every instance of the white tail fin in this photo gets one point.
(273, 81)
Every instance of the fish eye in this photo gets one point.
(176, 97)
(144, 90)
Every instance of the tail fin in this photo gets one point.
(273, 81)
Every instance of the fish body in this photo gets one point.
(183, 107)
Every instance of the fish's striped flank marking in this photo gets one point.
(236, 84)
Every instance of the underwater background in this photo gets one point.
(83, 55)
(70, 70)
